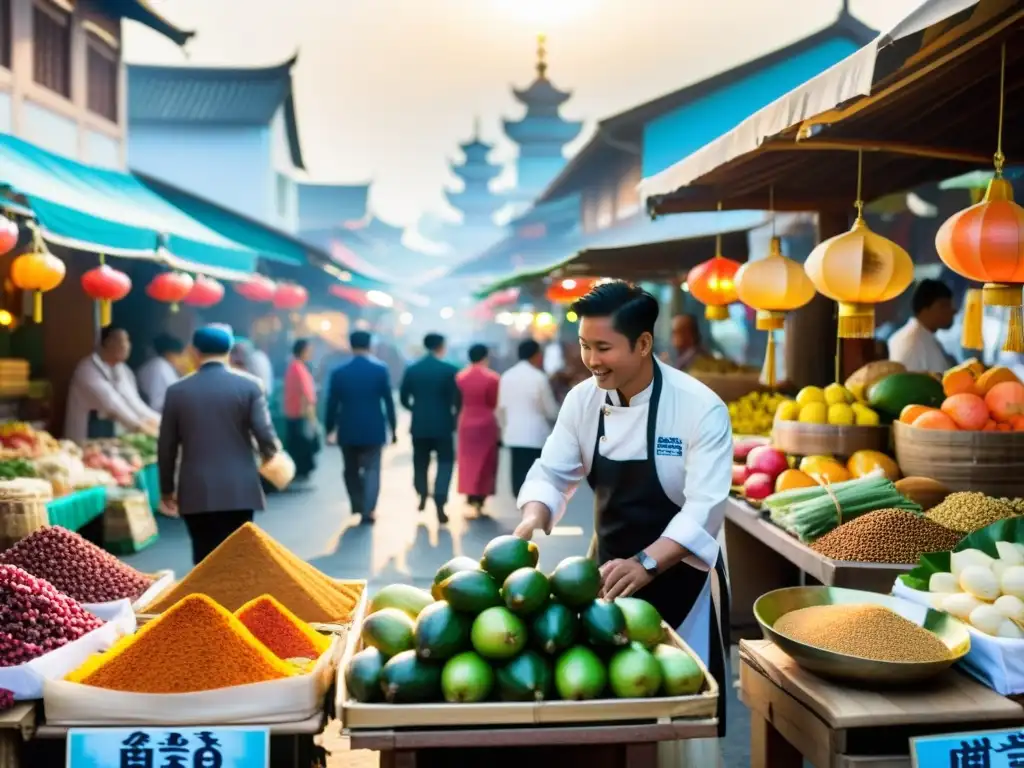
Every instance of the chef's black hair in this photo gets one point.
(108, 332)
(928, 292)
(632, 309)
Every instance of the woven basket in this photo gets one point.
(128, 522)
(989, 462)
(799, 439)
(22, 509)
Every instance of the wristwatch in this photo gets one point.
(649, 563)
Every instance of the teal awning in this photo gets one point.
(93, 209)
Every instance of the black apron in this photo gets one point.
(631, 511)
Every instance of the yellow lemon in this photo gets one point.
(810, 395)
(864, 416)
(814, 413)
(788, 410)
(836, 393)
(840, 415)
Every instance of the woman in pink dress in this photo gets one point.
(478, 433)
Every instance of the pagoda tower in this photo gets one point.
(541, 134)
(476, 202)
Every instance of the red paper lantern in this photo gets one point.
(205, 292)
(713, 283)
(170, 287)
(105, 285)
(257, 288)
(568, 290)
(290, 296)
(350, 294)
(8, 235)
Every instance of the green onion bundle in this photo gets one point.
(810, 513)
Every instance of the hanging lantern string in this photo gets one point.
(999, 159)
(718, 237)
(859, 203)
(771, 205)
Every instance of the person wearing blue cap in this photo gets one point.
(211, 420)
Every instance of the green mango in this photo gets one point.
(408, 679)
(576, 581)
(404, 597)
(643, 622)
(579, 674)
(466, 678)
(525, 591)
(453, 566)
(362, 676)
(441, 632)
(471, 591)
(554, 628)
(389, 630)
(604, 624)
(527, 677)
(505, 554)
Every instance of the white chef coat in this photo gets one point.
(526, 406)
(111, 392)
(917, 348)
(693, 459)
(154, 377)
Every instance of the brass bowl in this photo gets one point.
(771, 606)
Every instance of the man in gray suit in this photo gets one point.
(212, 417)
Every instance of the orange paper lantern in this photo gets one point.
(38, 271)
(859, 269)
(985, 243)
(170, 287)
(568, 290)
(713, 283)
(106, 285)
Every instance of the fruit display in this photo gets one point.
(924, 491)
(861, 380)
(754, 413)
(11, 469)
(19, 440)
(835, 405)
(999, 409)
(759, 471)
(499, 629)
(967, 511)
(35, 618)
(76, 567)
(891, 394)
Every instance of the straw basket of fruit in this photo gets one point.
(23, 508)
(829, 421)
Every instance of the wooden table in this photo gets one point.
(796, 715)
(762, 557)
(593, 746)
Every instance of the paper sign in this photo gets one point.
(181, 747)
(979, 749)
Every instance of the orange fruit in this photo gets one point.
(967, 410)
(935, 420)
(911, 412)
(794, 478)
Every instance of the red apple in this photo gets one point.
(739, 474)
(758, 486)
(742, 448)
(766, 460)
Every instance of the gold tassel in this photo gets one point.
(1015, 331)
(972, 337)
(769, 361)
(716, 312)
(770, 321)
(856, 321)
(1001, 295)
(37, 306)
(104, 313)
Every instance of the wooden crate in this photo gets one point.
(355, 715)
(799, 439)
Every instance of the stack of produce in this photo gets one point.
(890, 395)
(754, 413)
(21, 440)
(985, 591)
(968, 511)
(11, 469)
(195, 646)
(66, 471)
(280, 630)
(504, 628)
(110, 457)
(76, 567)
(835, 405)
(863, 631)
(249, 564)
(759, 472)
(810, 513)
(886, 536)
(35, 618)
(988, 405)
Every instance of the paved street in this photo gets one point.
(403, 546)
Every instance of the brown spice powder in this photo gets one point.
(866, 631)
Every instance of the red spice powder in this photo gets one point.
(280, 630)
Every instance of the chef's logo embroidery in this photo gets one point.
(669, 446)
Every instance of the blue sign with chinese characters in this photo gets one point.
(982, 749)
(180, 747)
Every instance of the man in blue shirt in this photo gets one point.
(359, 398)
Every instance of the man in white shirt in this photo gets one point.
(915, 344)
(159, 372)
(526, 410)
(103, 399)
(655, 445)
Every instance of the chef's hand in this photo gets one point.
(535, 516)
(169, 507)
(623, 578)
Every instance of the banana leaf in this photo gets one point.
(1009, 530)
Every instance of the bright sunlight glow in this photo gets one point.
(544, 15)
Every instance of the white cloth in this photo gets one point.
(154, 377)
(917, 348)
(263, 370)
(526, 406)
(554, 358)
(111, 392)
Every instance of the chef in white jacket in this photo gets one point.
(655, 445)
(103, 399)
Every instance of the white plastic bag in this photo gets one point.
(998, 662)
(26, 680)
(276, 701)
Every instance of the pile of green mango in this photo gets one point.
(498, 629)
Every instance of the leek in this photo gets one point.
(810, 513)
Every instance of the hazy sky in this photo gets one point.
(387, 88)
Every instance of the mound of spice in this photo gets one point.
(886, 536)
(76, 567)
(248, 564)
(866, 631)
(196, 646)
(969, 511)
(35, 618)
(281, 630)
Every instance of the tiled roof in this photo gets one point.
(215, 96)
(140, 11)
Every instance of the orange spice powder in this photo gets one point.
(281, 630)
